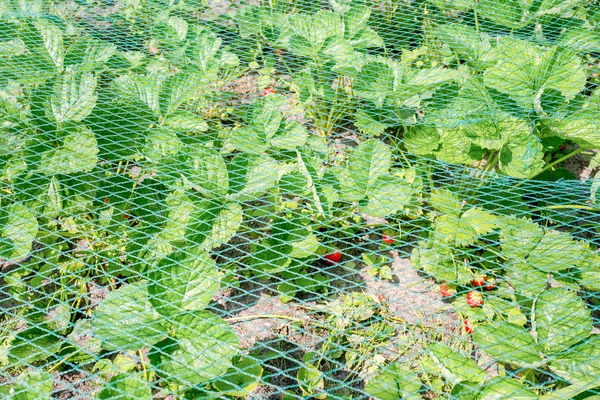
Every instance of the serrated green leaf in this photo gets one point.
(482, 222)
(32, 385)
(582, 127)
(466, 42)
(265, 116)
(451, 229)
(251, 176)
(186, 121)
(445, 202)
(144, 88)
(241, 379)
(249, 140)
(73, 96)
(434, 262)
(387, 195)
(206, 171)
(18, 230)
(177, 89)
(161, 144)
(526, 280)
(581, 362)
(44, 42)
(183, 281)
(505, 388)
(89, 54)
(202, 349)
(581, 39)
(226, 225)
(309, 32)
(555, 252)
(422, 140)
(130, 386)
(590, 272)
(510, 13)
(519, 237)
(395, 382)
(374, 82)
(368, 125)
(33, 344)
(525, 70)
(180, 210)
(126, 320)
(77, 153)
(459, 367)
(562, 319)
(369, 161)
(290, 136)
(508, 343)
(522, 155)
(356, 30)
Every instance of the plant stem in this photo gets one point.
(567, 206)
(264, 316)
(141, 355)
(552, 164)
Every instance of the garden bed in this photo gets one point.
(299, 199)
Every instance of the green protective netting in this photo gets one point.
(293, 199)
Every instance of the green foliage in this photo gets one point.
(141, 182)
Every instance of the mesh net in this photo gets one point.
(291, 199)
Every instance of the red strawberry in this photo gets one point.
(269, 91)
(479, 280)
(388, 239)
(490, 284)
(278, 52)
(474, 299)
(468, 327)
(106, 200)
(333, 258)
(563, 147)
(447, 290)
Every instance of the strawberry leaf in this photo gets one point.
(508, 343)
(581, 362)
(562, 319)
(524, 71)
(73, 96)
(395, 382)
(18, 229)
(183, 281)
(126, 320)
(201, 349)
(132, 384)
(458, 367)
(78, 152)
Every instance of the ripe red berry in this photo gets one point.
(269, 91)
(106, 200)
(389, 239)
(333, 258)
(447, 290)
(479, 280)
(278, 52)
(490, 284)
(468, 327)
(563, 147)
(474, 299)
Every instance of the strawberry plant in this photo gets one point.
(160, 159)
